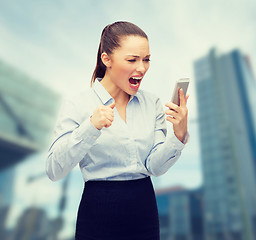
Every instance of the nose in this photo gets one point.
(141, 67)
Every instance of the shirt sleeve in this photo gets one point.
(167, 147)
(71, 141)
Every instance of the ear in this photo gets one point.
(106, 59)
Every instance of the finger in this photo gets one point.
(175, 116)
(108, 123)
(172, 105)
(187, 99)
(170, 112)
(109, 113)
(172, 120)
(112, 105)
(182, 98)
(110, 117)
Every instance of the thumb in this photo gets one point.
(112, 105)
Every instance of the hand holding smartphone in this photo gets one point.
(181, 83)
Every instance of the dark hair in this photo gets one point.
(110, 40)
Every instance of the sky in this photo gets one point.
(56, 42)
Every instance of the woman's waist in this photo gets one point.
(113, 172)
(128, 186)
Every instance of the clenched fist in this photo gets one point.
(103, 116)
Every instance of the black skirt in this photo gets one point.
(118, 210)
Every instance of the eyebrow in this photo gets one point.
(136, 56)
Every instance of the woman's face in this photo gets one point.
(129, 63)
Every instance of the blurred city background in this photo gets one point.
(48, 51)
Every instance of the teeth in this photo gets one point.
(137, 78)
(135, 81)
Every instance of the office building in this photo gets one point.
(180, 213)
(225, 87)
(32, 224)
(27, 114)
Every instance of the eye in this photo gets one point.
(131, 60)
(147, 60)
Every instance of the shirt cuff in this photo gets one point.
(87, 132)
(186, 138)
(176, 143)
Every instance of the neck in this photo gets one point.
(118, 94)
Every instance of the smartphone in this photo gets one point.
(181, 83)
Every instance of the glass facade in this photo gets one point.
(180, 216)
(225, 125)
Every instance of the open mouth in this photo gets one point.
(135, 82)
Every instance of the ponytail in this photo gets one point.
(100, 68)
